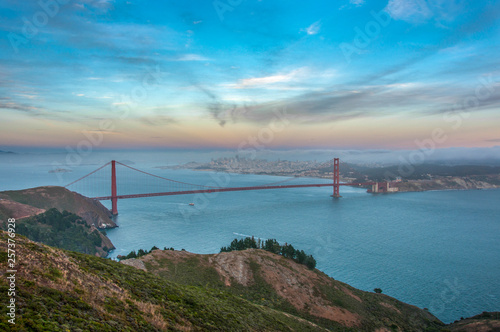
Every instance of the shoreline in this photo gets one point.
(417, 183)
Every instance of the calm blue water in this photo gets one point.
(438, 250)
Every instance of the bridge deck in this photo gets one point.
(215, 190)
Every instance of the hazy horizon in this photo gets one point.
(450, 156)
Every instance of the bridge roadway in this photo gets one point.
(216, 190)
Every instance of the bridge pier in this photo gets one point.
(382, 187)
(336, 178)
(114, 199)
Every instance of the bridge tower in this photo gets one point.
(336, 178)
(114, 199)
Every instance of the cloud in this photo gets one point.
(266, 80)
(409, 10)
(466, 101)
(7, 103)
(103, 5)
(418, 11)
(495, 140)
(342, 103)
(314, 28)
(357, 2)
(157, 120)
(134, 60)
(259, 82)
(192, 57)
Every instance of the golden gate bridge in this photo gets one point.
(174, 187)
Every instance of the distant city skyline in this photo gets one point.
(353, 74)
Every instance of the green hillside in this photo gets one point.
(59, 290)
(93, 212)
(271, 280)
(64, 230)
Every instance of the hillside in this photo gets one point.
(487, 321)
(421, 172)
(64, 230)
(58, 290)
(13, 209)
(452, 183)
(35, 200)
(271, 280)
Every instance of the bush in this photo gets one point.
(378, 290)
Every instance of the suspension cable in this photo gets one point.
(83, 177)
(160, 177)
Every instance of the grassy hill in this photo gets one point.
(487, 321)
(279, 283)
(39, 214)
(64, 230)
(58, 290)
(44, 198)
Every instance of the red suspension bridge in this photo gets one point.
(169, 187)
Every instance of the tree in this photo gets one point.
(288, 251)
(272, 245)
(378, 290)
(310, 262)
(300, 256)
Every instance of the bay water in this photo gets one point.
(438, 250)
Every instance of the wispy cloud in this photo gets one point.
(157, 120)
(9, 104)
(192, 57)
(266, 81)
(409, 10)
(419, 11)
(357, 2)
(103, 5)
(314, 28)
(412, 99)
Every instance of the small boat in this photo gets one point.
(192, 204)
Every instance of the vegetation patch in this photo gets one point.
(63, 230)
(139, 253)
(102, 295)
(271, 245)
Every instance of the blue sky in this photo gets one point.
(347, 74)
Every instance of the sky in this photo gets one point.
(234, 74)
